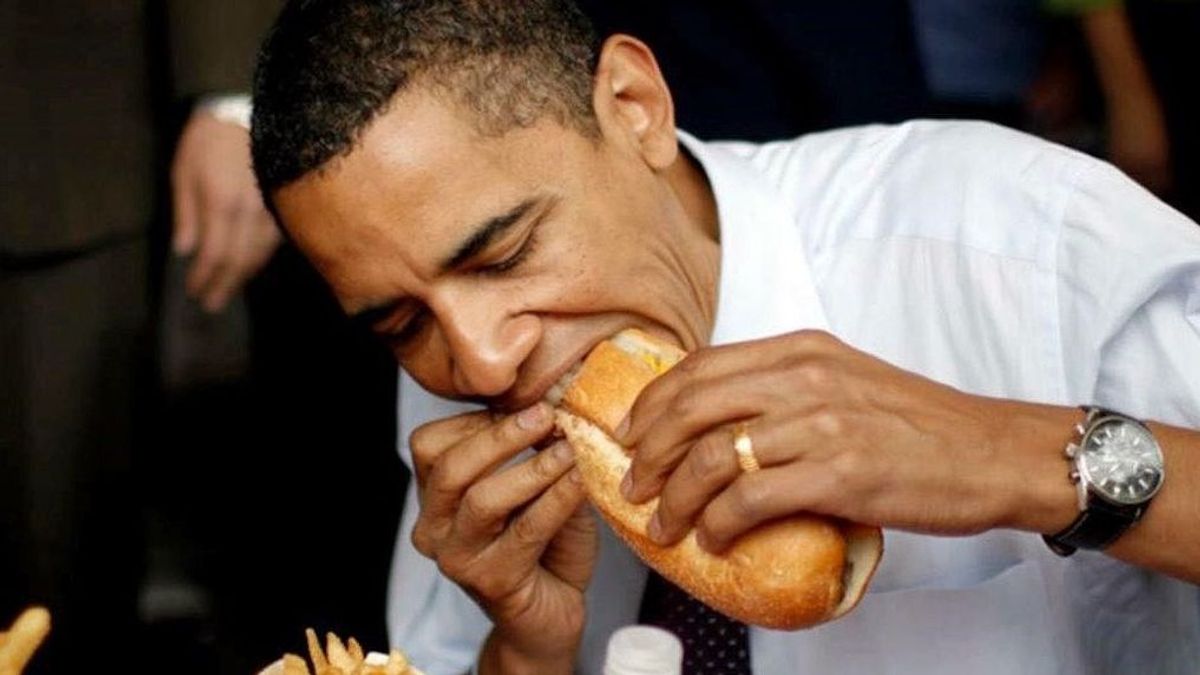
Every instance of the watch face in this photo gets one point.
(1122, 462)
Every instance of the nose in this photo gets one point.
(488, 341)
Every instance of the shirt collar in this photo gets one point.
(766, 286)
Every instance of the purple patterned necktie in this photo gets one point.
(713, 644)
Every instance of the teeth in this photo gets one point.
(555, 394)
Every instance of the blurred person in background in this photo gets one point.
(279, 411)
(85, 89)
(95, 94)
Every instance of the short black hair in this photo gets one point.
(328, 68)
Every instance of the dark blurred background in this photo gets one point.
(197, 451)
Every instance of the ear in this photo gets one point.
(632, 102)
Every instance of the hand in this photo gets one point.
(219, 213)
(519, 538)
(836, 432)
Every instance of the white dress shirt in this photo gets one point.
(983, 258)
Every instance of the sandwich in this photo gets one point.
(787, 574)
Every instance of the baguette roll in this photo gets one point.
(787, 574)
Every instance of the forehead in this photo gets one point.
(419, 179)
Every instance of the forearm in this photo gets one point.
(1044, 500)
(1167, 539)
(1119, 67)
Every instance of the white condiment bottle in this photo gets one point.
(643, 650)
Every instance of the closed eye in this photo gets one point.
(409, 330)
(517, 257)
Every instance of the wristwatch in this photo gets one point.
(1117, 467)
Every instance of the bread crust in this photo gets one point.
(787, 574)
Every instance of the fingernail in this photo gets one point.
(654, 530)
(532, 417)
(562, 450)
(627, 485)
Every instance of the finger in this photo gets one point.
(528, 534)
(183, 206)
(488, 505)
(713, 464)
(228, 278)
(215, 232)
(428, 441)
(705, 471)
(694, 412)
(755, 498)
(715, 364)
(571, 552)
(464, 463)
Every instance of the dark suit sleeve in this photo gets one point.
(213, 43)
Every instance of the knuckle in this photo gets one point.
(750, 498)
(695, 364)
(814, 375)
(452, 567)
(422, 540)
(477, 507)
(488, 586)
(545, 466)
(442, 483)
(525, 531)
(421, 443)
(686, 405)
(711, 457)
(669, 506)
(816, 339)
(829, 423)
(848, 466)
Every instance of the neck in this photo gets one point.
(695, 194)
(688, 181)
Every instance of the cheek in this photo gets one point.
(427, 361)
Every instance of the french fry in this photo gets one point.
(23, 639)
(314, 651)
(338, 657)
(294, 665)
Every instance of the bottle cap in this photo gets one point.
(643, 650)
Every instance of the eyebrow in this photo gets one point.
(487, 232)
(481, 237)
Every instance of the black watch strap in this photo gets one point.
(1095, 528)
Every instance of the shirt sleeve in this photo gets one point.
(1129, 299)
(212, 44)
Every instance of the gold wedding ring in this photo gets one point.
(744, 448)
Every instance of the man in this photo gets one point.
(493, 197)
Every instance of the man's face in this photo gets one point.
(492, 265)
